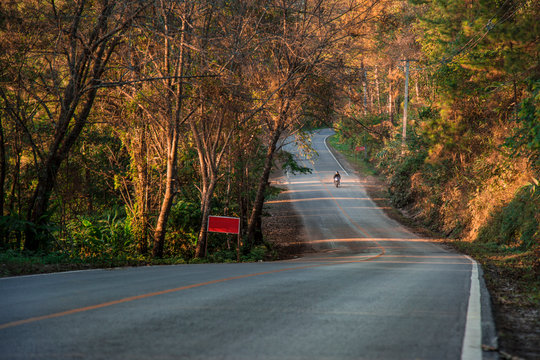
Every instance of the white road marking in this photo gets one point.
(472, 341)
(327, 148)
(52, 273)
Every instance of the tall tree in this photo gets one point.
(175, 29)
(227, 43)
(72, 50)
(301, 37)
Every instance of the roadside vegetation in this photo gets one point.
(124, 124)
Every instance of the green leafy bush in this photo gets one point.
(13, 228)
(223, 256)
(400, 189)
(97, 238)
(517, 223)
(256, 254)
(182, 230)
(526, 138)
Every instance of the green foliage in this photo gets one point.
(185, 216)
(363, 130)
(352, 156)
(13, 229)
(526, 138)
(289, 164)
(318, 105)
(517, 223)
(99, 238)
(16, 262)
(184, 224)
(223, 256)
(258, 253)
(400, 189)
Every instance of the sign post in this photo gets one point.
(227, 225)
(358, 149)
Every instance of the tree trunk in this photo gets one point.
(254, 231)
(2, 176)
(366, 90)
(390, 102)
(64, 140)
(417, 90)
(141, 191)
(172, 140)
(161, 225)
(86, 64)
(242, 184)
(2, 167)
(378, 90)
(16, 183)
(202, 243)
(209, 161)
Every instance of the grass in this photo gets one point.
(356, 159)
(13, 263)
(512, 265)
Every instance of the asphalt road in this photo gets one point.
(372, 291)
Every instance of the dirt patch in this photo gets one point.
(517, 318)
(283, 227)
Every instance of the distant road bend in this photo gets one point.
(373, 290)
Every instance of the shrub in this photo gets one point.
(256, 254)
(517, 223)
(400, 189)
(13, 228)
(182, 230)
(99, 238)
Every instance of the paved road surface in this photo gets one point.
(373, 291)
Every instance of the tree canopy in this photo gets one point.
(125, 124)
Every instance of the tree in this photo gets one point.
(175, 33)
(67, 60)
(300, 40)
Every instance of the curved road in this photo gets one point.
(372, 291)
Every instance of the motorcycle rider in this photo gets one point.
(337, 178)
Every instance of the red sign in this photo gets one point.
(360, 148)
(224, 224)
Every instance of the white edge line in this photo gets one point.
(52, 273)
(472, 340)
(327, 148)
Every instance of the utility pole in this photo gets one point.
(405, 105)
(365, 87)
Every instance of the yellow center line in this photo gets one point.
(168, 291)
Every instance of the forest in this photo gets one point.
(125, 124)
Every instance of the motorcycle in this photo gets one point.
(337, 181)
